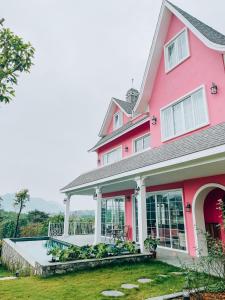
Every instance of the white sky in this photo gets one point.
(86, 52)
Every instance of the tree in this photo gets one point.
(20, 201)
(15, 57)
(37, 216)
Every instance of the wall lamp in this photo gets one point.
(154, 120)
(126, 148)
(188, 207)
(214, 89)
(137, 190)
(128, 197)
(99, 161)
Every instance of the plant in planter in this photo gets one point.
(130, 247)
(151, 244)
(55, 252)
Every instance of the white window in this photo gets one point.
(112, 156)
(142, 143)
(176, 50)
(117, 120)
(184, 115)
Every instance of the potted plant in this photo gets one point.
(151, 244)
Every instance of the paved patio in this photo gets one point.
(79, 240)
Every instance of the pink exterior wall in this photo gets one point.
(190, 188)
(125, 140)
(203, 67)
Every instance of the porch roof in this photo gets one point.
(203, 140)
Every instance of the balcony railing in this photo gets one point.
(75, 228)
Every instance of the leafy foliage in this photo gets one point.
(100, 250)
(21, 198)
(15, 57)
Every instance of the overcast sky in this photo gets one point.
(86, 52)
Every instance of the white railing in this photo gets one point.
(75, 228)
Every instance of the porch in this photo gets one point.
(154, 192)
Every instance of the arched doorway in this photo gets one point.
(206, 215)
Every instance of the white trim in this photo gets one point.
(154, 55)
(109, 110)
(207, 188)
(166, 63)
(112, 150)
(135, 125)
(120, 119)
(184, 215)
(138, 138)
(163, 139)
(158, 166)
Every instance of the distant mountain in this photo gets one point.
(34, 203)
(82, 213)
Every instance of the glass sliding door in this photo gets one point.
(112, 214)
(165, 218)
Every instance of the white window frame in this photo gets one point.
(184, 214)
(180, 100)
(120, 115)
(112, 150)
(167, 68)
(140, 137)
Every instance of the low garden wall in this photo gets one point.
(14, 261)
(72, 266)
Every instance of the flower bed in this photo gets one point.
(101, 250)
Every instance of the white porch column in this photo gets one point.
(98, 198)
(142, 218)
(66, 216)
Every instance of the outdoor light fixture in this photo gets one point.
(64, 200)
(126, 148)
(137, 190)
(154, 120)
(214, 88)
(99, 160)
(188, 207)
(95, 195)
(128, 197)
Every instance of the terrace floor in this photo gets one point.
(78, 240)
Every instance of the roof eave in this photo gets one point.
(151, 64)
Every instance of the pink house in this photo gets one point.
(161, 153)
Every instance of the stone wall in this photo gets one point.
(62, 268)
(14, 261)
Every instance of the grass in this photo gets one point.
(89, 284)
(4, 272)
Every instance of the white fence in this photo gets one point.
(75, 228)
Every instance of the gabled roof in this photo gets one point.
(126, 108)
(120, 131)
(203, 140)
(209, 36)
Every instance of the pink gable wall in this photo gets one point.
(203, 67)
(125, 120)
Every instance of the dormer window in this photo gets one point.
(176, 50)
(117, 120)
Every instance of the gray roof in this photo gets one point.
(117, 132)
(127, 106)
(210, 33)
(205, 139)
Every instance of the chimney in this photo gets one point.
(132, 96)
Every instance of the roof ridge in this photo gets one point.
(209, 32)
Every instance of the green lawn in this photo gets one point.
(3, 272)
(89, 284)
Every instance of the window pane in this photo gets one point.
(117, 120)
(138, 145)
(171, 55)
(182, 46)
(200, 114)
(146, 141)
(178, 118)
(188, 114)
(167, 122)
